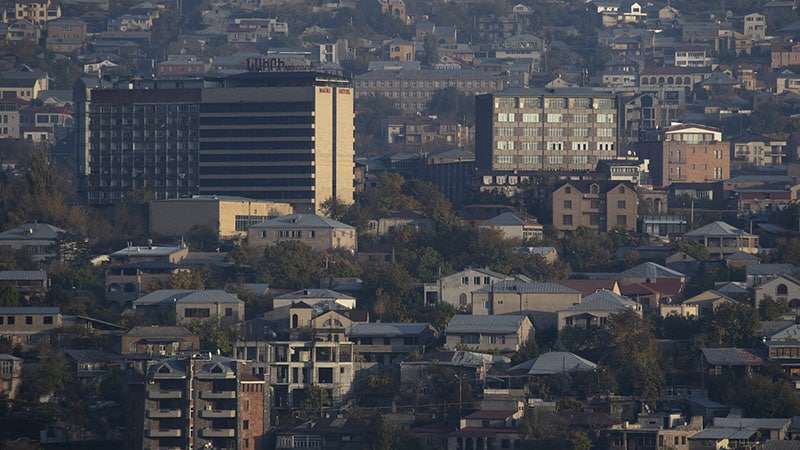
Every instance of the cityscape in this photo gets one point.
(399, 224)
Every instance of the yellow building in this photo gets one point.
(229, 217)
(37, 11)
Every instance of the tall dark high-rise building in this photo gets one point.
(282, 136)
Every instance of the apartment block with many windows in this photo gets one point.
(568, 129)
(204, 402)
(601, 206)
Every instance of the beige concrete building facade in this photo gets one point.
(228, 217)
(319, 233)
(542, 301)
(595, 205)
(689, 153)
(506, 333)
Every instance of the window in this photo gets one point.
(465, 281)
(580, 146)
(594, 219)
(505, 145)
(504, 132)
(554, 118)
(567, 204)
(529, 159)
(2, 320)
(530, 117)
(505, 159)
(470, 339)
(622, 220)
(782, 289)
(566, 219)
(605, 132)
(48, 320)
(621, 204)
(555, 132)
(555, 146)
(605, 146)
(717, 173)
(28, 320)
(228, 312)
(580, 118)
(555, 159)
(486, 280)
(476, 281)
(580, 132)
(580, 159)
(199, 313)
(11, 320)
(605, 118)
(245, 424)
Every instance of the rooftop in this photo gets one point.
(651, 271)
(388, 329)
(147, 250)
(604, 300)
(32, 231)
(19, 310)
(301, 220)
(14, 275)
(528, 287)
(731, 357)
(553, 363)
(465, 323)
(159, 331)
(314, 293)
(718, 229)
(210, 296)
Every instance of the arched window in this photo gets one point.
(670, 80)
(644, 80)
(462, 300)
(782, 289)
(295, 320)
(594, 189)
(661, 80)
(794, 303)
(652, 80)
(687, 80)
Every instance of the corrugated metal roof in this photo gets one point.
(186, 296)
(387, 329)
(604, 300)
(731, 357)
(717, 228)
(528, 288)
(552, 363)
(467, 323)
(17, 310)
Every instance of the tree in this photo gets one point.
(586, 249)
(527, 351)
(215, 336)
(291, 265)
(187, 279)
(771, 309)
(733, 325)
(9, 296)
(452, 104)
(787, 251)
(635, 356)
(431, 48)
(202, 238)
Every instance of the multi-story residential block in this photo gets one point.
(757, 150)
(411, 90)
(601, 206)
(688, 153)
(10, 375)
(25, 282)
(456, 289)
(755, 26)
(504, 333)
(419, 131)
(204, 402)
(27, 326)
(320, 233)
(722, 239)
(401, 50)
(672, 87)
(314, 353)
(692, 56)
(189, 305)
(384, 343)
(540, 301)
(37, 11)
(785, 54)
(254, 30)
(228, 217)
(537, 129)
(159, 341)
(66, 35)
(137, 270)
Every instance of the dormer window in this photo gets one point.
(594, 189)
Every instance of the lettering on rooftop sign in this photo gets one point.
(272, 65)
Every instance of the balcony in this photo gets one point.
(164, 433)
(218, 432)
(222, 395)
(218, 414)
(164, 413)
(156, 393)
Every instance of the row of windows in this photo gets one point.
(268, 145)
(431, 84)
(536, 159)
(555, 132)
(261, 120)
(257, 157)
(12, 320)
(594, 220)
(595, 204)
(505, 117)
(553, 146)
(247, 170)
(258, 132)
(554, 102)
